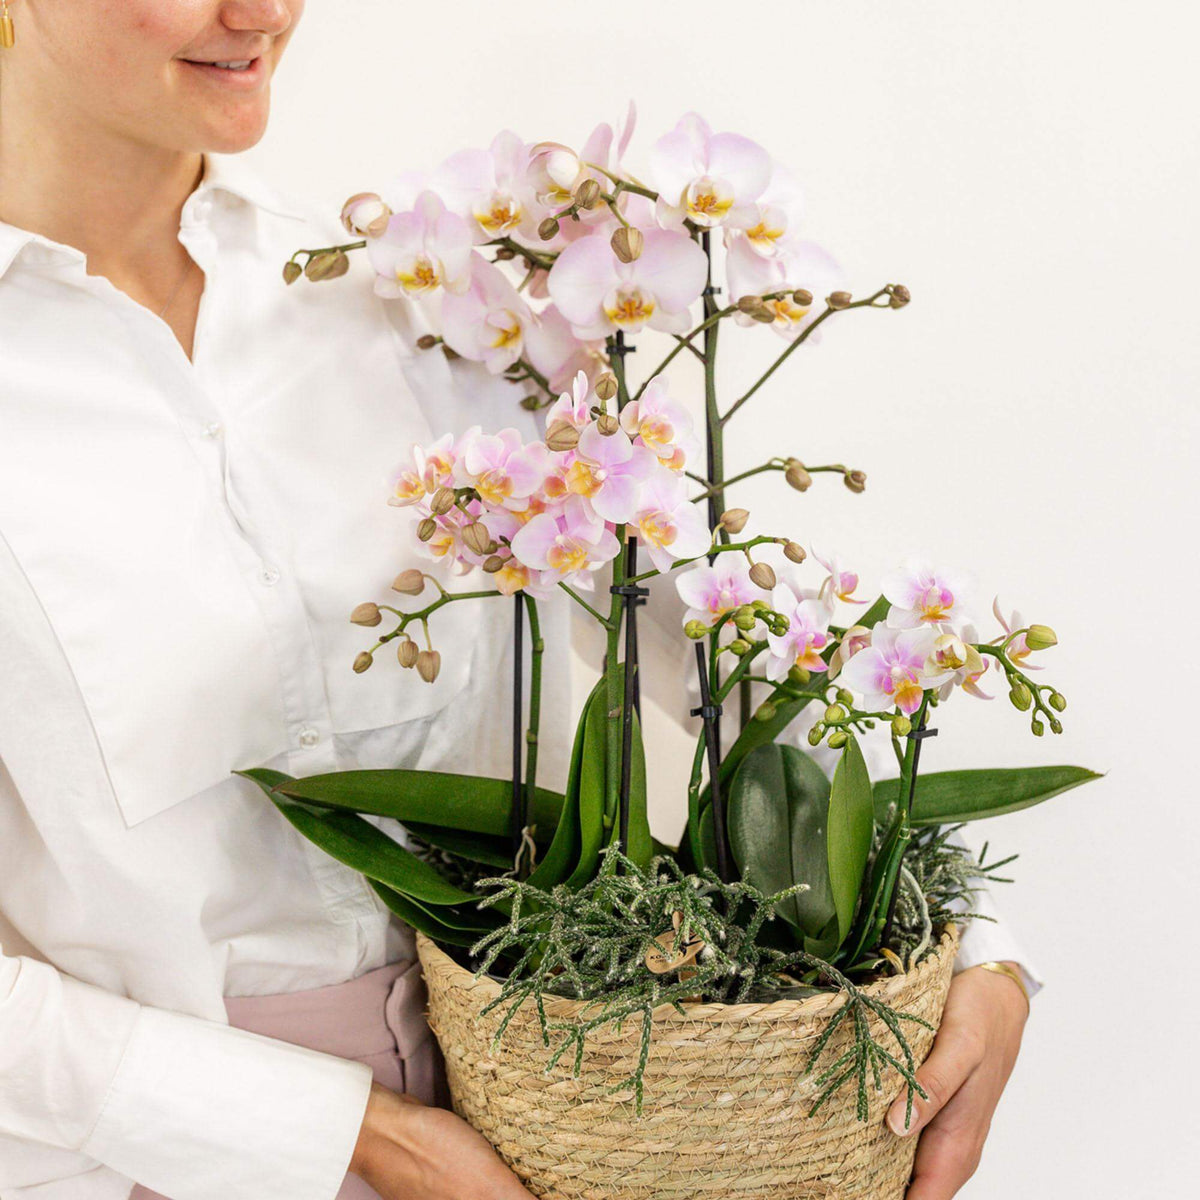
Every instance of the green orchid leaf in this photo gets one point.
(851, 828)
(422, 920)
(948, 797)
(475, 847)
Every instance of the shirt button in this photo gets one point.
(213, 430)
(268, 576)
(309, 737)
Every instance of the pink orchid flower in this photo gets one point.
(839, 584)
(667, 523)
(573, 406)
(856, 638)
(565, 542)
(710, 591)
(661, 424)
(429, 468)
(965, 664)
(501, 468)
(708, 178)
(491, 189)
(609, 473)
(1018, 651)
(769, 225)
(892, 672)
(920, 595)
(557, 353)
(599, 294)
(422, 251)
(807, 633)
(798, 265)
(489, 322)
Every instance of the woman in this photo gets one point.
(191, 997)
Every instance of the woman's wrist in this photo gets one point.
(382, 1122)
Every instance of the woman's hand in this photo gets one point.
(971, 1060)
(408, 1151)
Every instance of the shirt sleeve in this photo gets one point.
(191, 1108)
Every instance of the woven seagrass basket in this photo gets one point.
(726, 1095)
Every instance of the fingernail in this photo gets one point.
(895, 1119)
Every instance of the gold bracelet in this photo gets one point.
(1004, 969)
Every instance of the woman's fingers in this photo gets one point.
(955, 1055)
(952, 1144)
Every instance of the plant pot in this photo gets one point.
(727, 1097)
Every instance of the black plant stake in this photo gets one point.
(631, 593)
(519, 818)
(710, 712)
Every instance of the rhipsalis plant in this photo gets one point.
(548, 268)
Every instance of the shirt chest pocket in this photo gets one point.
(193, 655)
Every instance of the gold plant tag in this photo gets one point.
(664, 956)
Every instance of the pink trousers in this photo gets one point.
(377, 1019)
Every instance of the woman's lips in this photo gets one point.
(245, 80)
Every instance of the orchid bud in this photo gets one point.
(407, 653)
(1021, 697)
(764, 315)
(838, 299)
(426, 529)
(450, 353)
(362, 662)
(366, 214)
(1055, 725)
(548, 229)
(748, 304)
(802, 297)
(554, 169)
(366, 614)
(530, 403)
(834, 714)
(1058, 702)
(695, 630)
(1041, 637)
(745, 618)
(837, 739)
(799, 674)
(794, 552)
(1036, 727)
(561, 436)
(797, 476)
(606, 386)
(493, 563)
(505, 254)
(627, 243)
(429, 663)
(426, 341)
(898, 296)
(845, 697)
(477, 539)
(587, 194)
(763, 575)
(442, 502)
(765, 711)
(410, 582)
(901, 725)
(739, 647)
(291, 272)
(320, 266)
(734, 519)
(856, 481)
(607, 424)
(815, 734)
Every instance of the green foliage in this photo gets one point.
(851, 830)
(947, 797)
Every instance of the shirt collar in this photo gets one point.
(222, 173)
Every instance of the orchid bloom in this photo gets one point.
(920, 595)
(501, 468)
(708, 178)
(892, 671)
(1018, 650)
(491, 189)
(662, 425)
(838, 584)
(554, 172)
(430, 469)
(798, 265)
(856, 638)
(599, 294)
(487, 323)
(565, 542)
(422, 251)
(959, 657)
(573, 406)
(609, 472)
(807, 633)
(365, 214)
(712, 590)
(768, 226)
(446, 544)
(667, 523)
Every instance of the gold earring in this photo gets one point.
(7, 36)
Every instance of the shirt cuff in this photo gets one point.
(994, 941)
(199, 1109)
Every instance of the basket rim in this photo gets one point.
(435, 960)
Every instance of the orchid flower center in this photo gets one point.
(419, 274)
(507, 330)
(408, 489)
(657, 528)
(708, 200)
(935, 603)
(585, 479)
(628, 307)
(494, 486)
(566, 555)
(499, 214)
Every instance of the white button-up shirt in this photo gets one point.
(181, 543)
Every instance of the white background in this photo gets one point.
(1029, 170)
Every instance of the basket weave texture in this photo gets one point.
(726, 1094)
